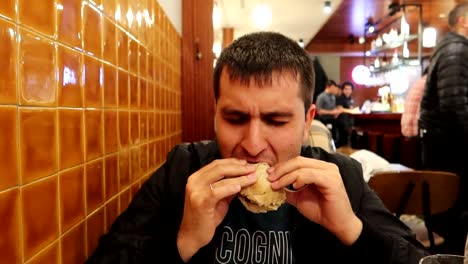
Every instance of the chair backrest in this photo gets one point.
(403, 192)
(320, 136)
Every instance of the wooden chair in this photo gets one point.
(419, 192)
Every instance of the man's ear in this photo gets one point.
(310, 114)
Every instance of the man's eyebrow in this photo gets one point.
(230, 111)
(276, 114)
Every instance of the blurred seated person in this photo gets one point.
(332, 115)
(344, 99)
(410, 116)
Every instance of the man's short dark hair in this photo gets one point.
(260, 54)
(347, 83)
(331, 82)
(458, 11)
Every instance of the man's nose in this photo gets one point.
(254, 141)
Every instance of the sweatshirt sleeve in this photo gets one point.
(146, 231)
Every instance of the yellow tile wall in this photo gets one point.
(89, 107)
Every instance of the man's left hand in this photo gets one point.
(321, 195)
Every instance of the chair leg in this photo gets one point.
(427, 214)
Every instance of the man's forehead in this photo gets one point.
(258, 79)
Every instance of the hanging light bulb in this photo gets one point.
(262, 16)
(216, 17)
(327, 7)
(429, 37)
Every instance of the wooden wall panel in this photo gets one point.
(197, 87)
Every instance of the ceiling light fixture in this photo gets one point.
(262, 16)
(327, 7)
(301, 43)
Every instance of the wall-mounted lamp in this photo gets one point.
(327, 7)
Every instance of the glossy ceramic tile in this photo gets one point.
(143, 62)
(143, 95)
(39, 16)
(124, 169)
(69, 64)
(110, 131)
(71, 137)
(134, 93)
(122, 5)
(111, 176)
(8, 51)
(93, 75)
(125, 198)
(94, 185)
(151, 126)
(133, 56)
(123, 89)
(135, 171)
(10, 248)
(7, 8)
(69, 22)
(112, 211)
(143, 126)
(50, 255)
(122, 49)
(9, 147)
(109, 7)
(94, 133)
(39, 228)
(150, 88)
(134, 128)
(92, 32)
(95, 227)
(134, 189)
(109, 41)
(38, 83)
(92, 153)
(72, 200)
(38, 143)
(144, 158)
(74, 245)
(110, 86)
(152, 155)
(123, 128)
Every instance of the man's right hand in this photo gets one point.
(207, 196)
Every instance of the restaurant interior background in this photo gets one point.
(94, 93)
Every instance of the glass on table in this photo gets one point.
(443, 259)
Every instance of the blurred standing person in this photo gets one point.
(410, 116)
(443, 121)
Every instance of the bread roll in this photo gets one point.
(260, 197)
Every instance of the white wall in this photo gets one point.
(331, 66)
(173, 10)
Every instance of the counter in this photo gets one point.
(381, 134)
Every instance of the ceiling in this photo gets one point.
(325, 33)
(298, 19)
